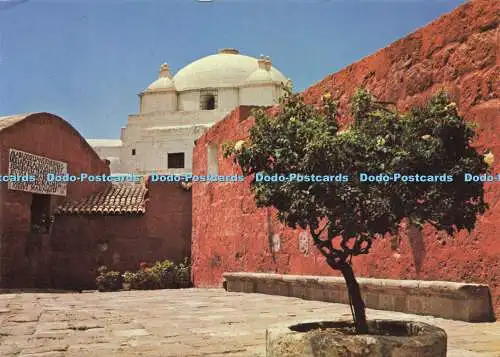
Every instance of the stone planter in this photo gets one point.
(126, 286)
(387, 338)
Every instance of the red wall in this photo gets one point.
(163, 232)
(457, 52)
(50, 136)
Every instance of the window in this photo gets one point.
(40, 213)
(208, 100)
(176, 160)
(212, 162)
(133, 152)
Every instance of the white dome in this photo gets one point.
(225, 69)
(263, 74)
(164, 82)
(260, 76)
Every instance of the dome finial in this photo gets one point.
(229, 51)
(265, 62)
(165, 70)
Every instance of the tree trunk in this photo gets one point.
(355, 299)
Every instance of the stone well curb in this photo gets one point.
(428, 341)
(449, 300)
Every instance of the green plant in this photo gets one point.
(129, 277)
(345, 216)
(164, 272)
(109, 281)
(144, 280)
(183, 274)
(164, 265)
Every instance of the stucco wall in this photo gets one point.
(164, 118)
(457, 52)
(111, 153)
(259, 95)
(45, 135)
(189, 100)
(152, 147)
(158, 101)
(155, 135)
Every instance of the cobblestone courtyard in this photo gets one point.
(190, 322)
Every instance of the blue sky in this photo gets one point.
(87, 60)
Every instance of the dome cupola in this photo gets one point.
(263, 74)
(164, 82)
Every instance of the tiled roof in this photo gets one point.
(10, 120)
(119, 199)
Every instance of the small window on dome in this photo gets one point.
(208, 100)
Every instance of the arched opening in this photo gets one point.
(208, 101)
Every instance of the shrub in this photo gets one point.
(183, 274)
(144, 280)
(129, 277)
(164, 272)
(109, 281)
(162, 275)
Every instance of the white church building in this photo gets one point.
(175, 110)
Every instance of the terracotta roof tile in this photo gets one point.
(119, 199)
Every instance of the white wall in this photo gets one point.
(228, 98)
(258, 95)
(115, 165)
(158, 101)
(153, 146)
(105, 151)
(111, 153)
(189, 100)
(177, 118)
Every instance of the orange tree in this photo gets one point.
(424, 146)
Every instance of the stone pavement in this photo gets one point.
(189, 322)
